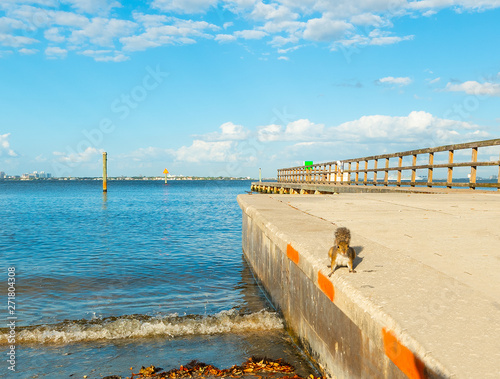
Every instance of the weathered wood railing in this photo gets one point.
(342, 172)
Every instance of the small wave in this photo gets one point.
(140, 326)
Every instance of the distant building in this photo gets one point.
(2, 175)
(36, 175)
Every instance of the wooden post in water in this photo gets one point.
(104, 172)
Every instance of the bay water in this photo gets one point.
(145, 274)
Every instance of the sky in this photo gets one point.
(225, 87)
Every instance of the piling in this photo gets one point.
(165, 172)
(104, 172)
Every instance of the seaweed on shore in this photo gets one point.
(253, 367)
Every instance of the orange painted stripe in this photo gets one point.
(402, 357)
(326, 286)
(292, 254)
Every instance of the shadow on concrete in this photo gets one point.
(358, 259)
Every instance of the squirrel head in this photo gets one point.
(342, 247)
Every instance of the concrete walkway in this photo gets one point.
(429, 261)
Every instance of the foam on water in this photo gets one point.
(141, 326)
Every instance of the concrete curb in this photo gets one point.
(276, 238)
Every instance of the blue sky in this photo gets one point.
(210, 87)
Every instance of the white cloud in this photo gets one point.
(183, 6)
(287, 50)
(250, 34)
(375, 38)
(378, 37)
(102, 31)
(87, 155)
(458, 5)
(325, 29)
(229, 132)
(279, 41)
(53, 35)
(225, 38)
(417, 126)
(93, 6)
(401, 81)
(8, 24)
(282, 58)
(272, 11)
(475, 88)
(270, 133)
(105, 55)
(283, 26)
(179, 31)
(15, 41)
(61, 18)
(143, 42)
(150, 20)
(299, 130)
(25, 51)
(5, 148)
(55, 52)
(203, 151)
(368, 19)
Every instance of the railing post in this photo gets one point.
(473, 169)
(365, 181)
(413, 170)
(400, 164)
(498, 177)
(430, 170)
(386, 175)
(357, 173)
(375, 164)
(329, 173)
(349, 174)
(449, 179)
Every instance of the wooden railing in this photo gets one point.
(368, 171)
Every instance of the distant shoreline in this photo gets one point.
(130, 178)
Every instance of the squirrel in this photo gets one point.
(341, 253)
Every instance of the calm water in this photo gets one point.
(147, 274)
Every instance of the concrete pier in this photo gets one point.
(425, 301)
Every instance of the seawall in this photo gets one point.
(403, 314)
